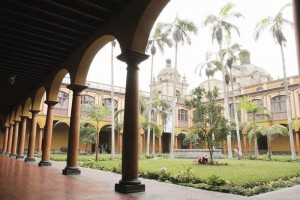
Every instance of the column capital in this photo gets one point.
(76, 88)
(16, 121)
(24, 117)
(50, 103)
(34, 111)
(131, 56)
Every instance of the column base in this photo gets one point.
(7, 153)
(45, 164)
(71, 171)
(129, 186)
(28, 159)
(13, 155)
(3, 153)
(20, 157)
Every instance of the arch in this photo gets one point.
(36, 105)
(180, 138)
(87, 99)
(19, 113)
(26, 107)
(84, 64)
(54, 88)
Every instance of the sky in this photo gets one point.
(264, 52)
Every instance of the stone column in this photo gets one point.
(10, 135)
(40, 140)
(15, 140)
(245, 144)
(5, 140)
(296, 8)
(130, 182)
(159, 145)
(297, 142)
(32, 135)
(22, 138)
(73, 142)
(45, 161)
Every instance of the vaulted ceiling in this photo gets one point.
(36, 37)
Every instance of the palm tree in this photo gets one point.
(219, 24)
(158, 109)
(272, 132)
(254, 109)
(180, 30)
(275, 25)
(113, 44)
(157, 39)
(211, 67)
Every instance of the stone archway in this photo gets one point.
(180, 139)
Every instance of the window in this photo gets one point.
(278, 104)
(231, 112)
(61, 108)
(87, 99)
(259, 115)
(107, 103)
(182, 115)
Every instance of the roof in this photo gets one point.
(37, 37)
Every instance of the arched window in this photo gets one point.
(278, 104)
(278, 107)
(182, 115)
(107, 103)
(87, 99)
(61, 108)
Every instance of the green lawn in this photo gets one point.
(239, 172)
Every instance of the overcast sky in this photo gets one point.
(264, 52)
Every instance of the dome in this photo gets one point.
(249, 69)
(168, 71)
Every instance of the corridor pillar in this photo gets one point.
(40, 141)
(10, 135)
(130, 155)
(46, 151)
(22, 137)
(32, 136)
(15, 140)
(73, 141)
(297, 142)
(5, 140)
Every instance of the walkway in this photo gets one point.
(26, 181)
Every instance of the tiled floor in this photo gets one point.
(20, 180)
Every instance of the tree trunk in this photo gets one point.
(288, 108)
(269, 149)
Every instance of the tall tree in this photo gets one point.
(219, 24)
(113, 44)
(158, 39)
(180, 30)
(211, 67)
(209, 122)
(275, 25)
(95, 113)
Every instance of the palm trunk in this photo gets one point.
(226, 106)
(256, 152)
(174, 105)
(153, 143)
(112, 106)
(150, 108)
(288, 108)
(269, 148)
(236, 118)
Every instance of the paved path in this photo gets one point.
(20, 180)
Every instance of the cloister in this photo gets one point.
(42, 41)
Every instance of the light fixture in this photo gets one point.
(12, 79)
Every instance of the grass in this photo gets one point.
(239, 172)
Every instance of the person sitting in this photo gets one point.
(203, 159)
